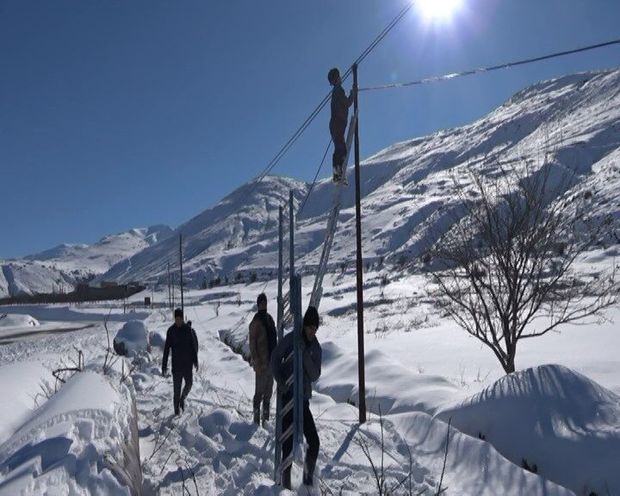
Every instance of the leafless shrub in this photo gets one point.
(441, 490)
(384, 486)
(508, 259)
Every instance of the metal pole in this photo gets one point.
(359, 261)
(181, 268)
(169, 293)
(291, 235)
(280, 270)
(295, 305)
(298, 384)
(278, 448)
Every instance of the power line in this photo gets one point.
(480, 70)
(317, 110)
(303, 204)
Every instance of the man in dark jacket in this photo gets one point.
(263, 340)
(182, 340)
(338, 123)
(282, 368)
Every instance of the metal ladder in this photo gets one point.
(332, 224)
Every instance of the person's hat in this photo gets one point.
(262, 298)
(178, 313)
(311, 318)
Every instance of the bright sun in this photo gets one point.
(438, 9)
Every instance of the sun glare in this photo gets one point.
(439, 10)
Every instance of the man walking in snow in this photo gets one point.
(282, 368)
(338, 122)
(263, 340)
(183, 342)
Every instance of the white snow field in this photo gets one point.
(418, 375)
(435, 396)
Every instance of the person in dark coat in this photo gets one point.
(282, 368)
(340, 104)
(263, 340)
(183, 342)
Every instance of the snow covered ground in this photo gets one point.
(420, 372)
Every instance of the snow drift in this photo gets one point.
(18, 320)
(82, 439)
(132, 338)
(551, 417)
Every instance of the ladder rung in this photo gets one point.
(287, 462)
(287, 408)
(287, 433)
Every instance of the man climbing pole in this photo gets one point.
(282, 369)
(263, 340)
(338, 123)
(183, 342)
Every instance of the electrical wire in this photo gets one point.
(480, 70)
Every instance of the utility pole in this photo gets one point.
(181, 268)
(280, 271)
(359, 262)
(295, 306)
(278, 449)
(169, 292)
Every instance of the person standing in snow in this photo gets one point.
(282, 368)
(340, 104)
(183, 342)
(263, 340)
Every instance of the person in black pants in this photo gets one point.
(183, 342)
(282, 369)
(340, 104)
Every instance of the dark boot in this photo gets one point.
(309, 465)
(256, 405)
(265, 410)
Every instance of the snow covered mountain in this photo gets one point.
(59, 268)
(572, 123)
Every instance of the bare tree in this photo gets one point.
(508, 258)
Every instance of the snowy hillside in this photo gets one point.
(408, 189)
(59, 268)
(239, 232)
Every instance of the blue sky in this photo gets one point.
(118, 114)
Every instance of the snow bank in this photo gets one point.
(390, 388)
(67, 313)
(473, 467)
(17, 320)
(20, 384)
(553, 417)
(81, 440)
(132, 338)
